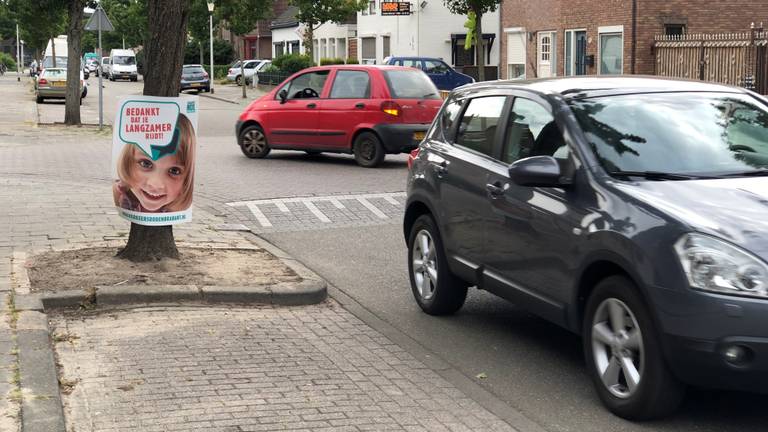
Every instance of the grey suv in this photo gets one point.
(632, 211)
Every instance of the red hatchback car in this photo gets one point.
(364, 110)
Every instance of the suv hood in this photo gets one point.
(732, 209)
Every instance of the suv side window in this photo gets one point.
(412, 63)
(250, 65)
(532, 131)
(448, 118)
(435, 67)
(308, 86)
(351, 85)
(477, 129)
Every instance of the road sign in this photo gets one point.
(93, 22)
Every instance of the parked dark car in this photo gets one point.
(631, 211)
(368, 111)
(444, 76)
(194, 77)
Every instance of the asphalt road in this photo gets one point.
(532, 366)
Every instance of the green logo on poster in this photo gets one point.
(190, 107)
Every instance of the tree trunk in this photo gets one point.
(200, 44)
(167, 23)
(309, 44)
(53, 50)
(74, 36)
(479, 50)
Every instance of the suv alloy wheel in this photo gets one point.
(436, 289)
(623, 353)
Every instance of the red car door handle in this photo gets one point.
(360, 105)
(312, 105)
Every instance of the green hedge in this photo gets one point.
(291, 63)
(331, 61)
(8, 61)
(352, 61)
(219, 71)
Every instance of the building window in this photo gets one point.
(385, 46)
(611, 52)
(368, 46)
(341, 48)
(674, 29)
(295, 47)
(278, 49)
(546, 44)
(516, 55)
(323, 49)
(372, 7)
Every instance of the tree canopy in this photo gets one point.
(312, 13)
(474, 9)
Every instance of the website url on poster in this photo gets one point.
(140, 218)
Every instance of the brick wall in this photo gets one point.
(352, 48)
(559, 15)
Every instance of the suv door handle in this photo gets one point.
(440, 168)
(360, 105)
(312, 105)
(495, 190)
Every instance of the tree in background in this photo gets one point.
(167, 37)
(7, 24)
(478, 8)
(312, 13)
(74, 55)
(39, 21)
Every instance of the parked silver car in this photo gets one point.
(52, 84)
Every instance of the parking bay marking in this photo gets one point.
(309, 203)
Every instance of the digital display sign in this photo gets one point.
(389, 8)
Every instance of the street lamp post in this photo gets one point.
(210, 26)
(18, 54)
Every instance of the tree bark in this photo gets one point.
(309, 43)
(479, 50)
(74, 37)
(53, 50)
(167, 23)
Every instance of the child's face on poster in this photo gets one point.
(156, 183)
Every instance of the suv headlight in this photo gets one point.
(714, 265)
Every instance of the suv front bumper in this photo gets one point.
(705, 330)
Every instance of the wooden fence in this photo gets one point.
(739, 59)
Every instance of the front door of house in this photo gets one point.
(546, 55)
(580, 57)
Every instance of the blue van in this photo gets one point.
(444, 76)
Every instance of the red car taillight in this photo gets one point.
(391, 108)
(42, 81)
(412, 156)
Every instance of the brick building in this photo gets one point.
(542, 38)
(257, 44)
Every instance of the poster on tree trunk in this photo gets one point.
(154, 142)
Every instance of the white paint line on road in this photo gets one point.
(259, 215)
(330, 198)
(367, 204)
(282, 207)
(391, 200)
(337, 203)
(316, 211)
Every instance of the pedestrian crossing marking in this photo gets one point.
(264, 210)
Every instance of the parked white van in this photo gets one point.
(122, 64)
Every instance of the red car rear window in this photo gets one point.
(410, 84)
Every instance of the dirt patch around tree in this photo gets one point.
(88, 268)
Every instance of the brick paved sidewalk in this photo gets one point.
(264, 368)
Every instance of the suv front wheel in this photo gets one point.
(623, 353)
(436, 289)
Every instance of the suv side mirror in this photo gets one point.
(537, 171)
(283, 95)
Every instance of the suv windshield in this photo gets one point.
(123, 60)
(677, 133)
(410, 84)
